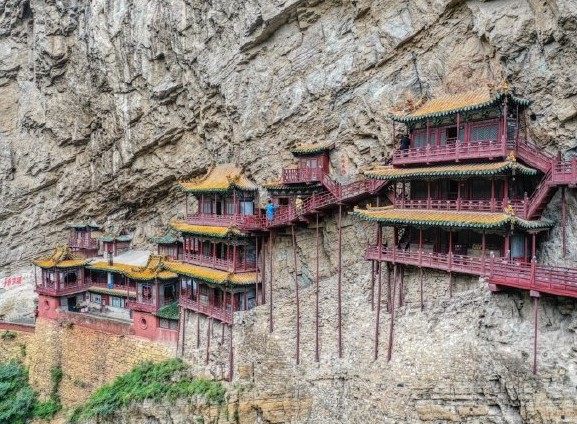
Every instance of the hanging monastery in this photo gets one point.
(463, 193)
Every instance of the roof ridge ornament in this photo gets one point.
(511, 157)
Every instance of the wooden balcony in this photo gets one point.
(77, 243)
(147, 305)
(214, 262)
(127, 290)
(51, 288)
(302, 175)
(452, 152)
(564, 172)
(561, 281)
(243, 222)
(211, 311)
(484, 205)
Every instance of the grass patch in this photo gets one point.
(8, 335)
(156, 381)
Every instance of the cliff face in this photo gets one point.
(104, 104)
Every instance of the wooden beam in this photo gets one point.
(270, 322)
(392, 317)
(339, 283)
(317, 354)
(298, 332)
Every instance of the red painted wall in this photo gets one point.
(106, 325)
(47, 306)
(8, 326)
(147, 326)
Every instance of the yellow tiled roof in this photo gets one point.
(153, 269)
(470, 169)
(447, 219)
(309, 149)
(454, 102)
(219, 178)
(468, 101)
(211, 275)
(61, 257)
(205, 230)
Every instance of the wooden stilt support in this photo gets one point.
(401, 285)
(270, 322)
(388, 290)
(222, 333)
(256, 299)
(263, 279)
(564, 220)
(339, 283)
(197, 330)
(317, 354)
(392, 317)
(372, 285)
(230, 358)
(378, 317)
(298, 330)
(421, 290)
(450, 284)
(535, 295)
(207, 340)
(179, 331)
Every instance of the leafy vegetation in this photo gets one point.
(157, 381)
(17, 399)
(8, 335)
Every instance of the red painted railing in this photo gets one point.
(485, 205)
(213, 262)
(532, 155)
(555, 280)
(50, 288)
(301, 175)
(244, 222)
(563, 173)
(540, 197)
(206, 309)
(490, 149)
(147, 304)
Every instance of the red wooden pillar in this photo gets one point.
(483, 247)
(56, 278)
(230, 357)
(208, 322)
(506, 192)
(270, 322)
(214, 253)
(492, 194)
(317, 355)
(263, 279)
(234, 247)
(395, 243)
(421, 284)
(256, 299)
(458, 125)
(392, 317)
(536, 296)
(339, 283)
(379, 285)
(507, 246)
(428, 193)
(564, 220)
(533, 245)
(298, 332)
(184, 318)
(458, 195)
(186, 205)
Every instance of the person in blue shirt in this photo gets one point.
(270, 208)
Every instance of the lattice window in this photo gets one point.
(484, 133)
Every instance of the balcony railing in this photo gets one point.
(244, 222)
(50, 288)
(564, 172)
(485, 205)
(223, 264)
(301, 175)
(147, 304)
(130, 290)
(556, 280)
(452, 151)
(206, 309)
(83, 243)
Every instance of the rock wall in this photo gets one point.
(87, 357)
(106, 103)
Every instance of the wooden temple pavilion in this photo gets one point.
(145, 291)
(169, 245)
(62, 281)
(219, 272)
(84, 238)
(114, 244)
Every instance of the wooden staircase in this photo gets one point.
(541, 198)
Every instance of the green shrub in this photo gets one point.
(8, 335)
(16, 397)
(46, 410)
(155, 381)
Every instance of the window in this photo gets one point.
(207, 207)
(95, 298)
(283, 201)
(146, 292)
(117, 302)
(419, 190)
(230, 207)
(420, 139)
(484, 132)
(247, 207)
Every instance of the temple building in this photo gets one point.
(84, 238)
(61, 283)
(169, 245)
(113, 244)
(219, 272)
(468, 189)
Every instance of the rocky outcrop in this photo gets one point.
(106, 103)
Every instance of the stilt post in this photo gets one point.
(317, 354)
(298, 332)
(339, 286)
(392, 317)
